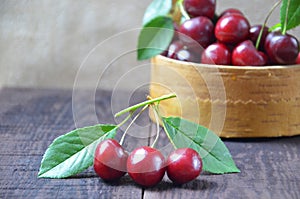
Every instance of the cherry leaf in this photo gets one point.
(155, 37)
(73, 152)
(157, 8)
(215, 155)
(289, 14)
(275, 27)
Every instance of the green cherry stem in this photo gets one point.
(142, 104)
(125, 132)
(265, 23)
(286, 18)
(182, 10)
(155, 111)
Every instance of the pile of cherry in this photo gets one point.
(145, 165)
(228, 39)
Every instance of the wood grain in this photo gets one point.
(29, 121)
(31, 118)
(269, 169)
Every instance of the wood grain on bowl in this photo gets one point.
(233, 101)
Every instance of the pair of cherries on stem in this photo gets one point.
(145, 165)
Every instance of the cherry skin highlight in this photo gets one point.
(110, 160)
(184, 165)
(184, 52)
(146, 166)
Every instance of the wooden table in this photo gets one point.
(31, 118)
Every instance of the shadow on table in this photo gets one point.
(193, 185)
(165, 184)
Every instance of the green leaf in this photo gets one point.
(289, 14)
(275, 27)
(157, 8)
(155, 37)
(215, 155)
(73, 152)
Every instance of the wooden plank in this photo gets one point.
(269, 169)
(29, 121)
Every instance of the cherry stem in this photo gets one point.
(182, 10)
(142, 104)
(125, 132)
(157, 126)
(265, 23)
(286, 18)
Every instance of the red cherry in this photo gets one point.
(254, 33)
(110, 160)
(174, 48)
(184, 52)
(245, 54)
(216, 53)
(197, 8)
(184, 165)
(265, 57)
(198, 29)
(164, 53)
(232, 29)
(146, 166)
(186, 55)
(298, 59)
(281, 49)
(231, 11)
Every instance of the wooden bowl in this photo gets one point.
(233, 101)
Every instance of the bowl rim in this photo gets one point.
(274, 67)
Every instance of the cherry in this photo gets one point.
(110, 160)
(298, 59)
(281, 49)
(231, 11)
(232, 29)
(265, 57)
(199, 29)
(245, 54)
(146, 166)
(197, 8)
(184, 52)
(216, 53)
(183, 165)
(254, 33)
(174, 48)
(164, 53)
(188, 56)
